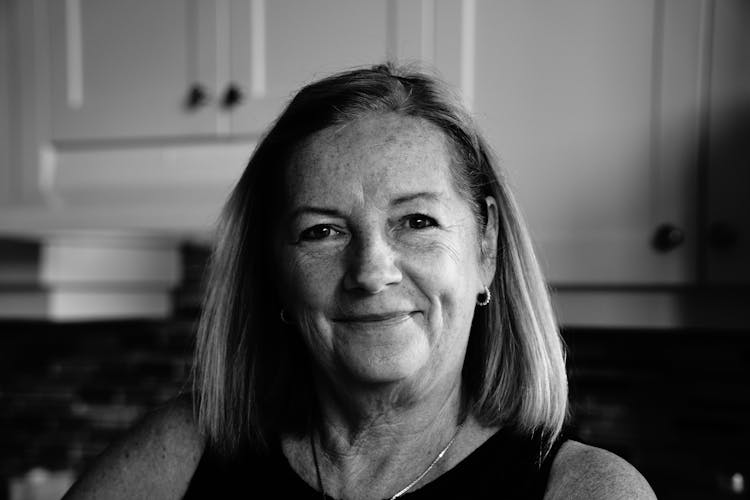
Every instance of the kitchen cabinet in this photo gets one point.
(622, 128)
(141, 115)
(127, 69)
(187, 68)
(594, 109)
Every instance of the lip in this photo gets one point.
(387, 317)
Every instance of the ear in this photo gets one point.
(488, 241)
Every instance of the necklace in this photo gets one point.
(405, 488)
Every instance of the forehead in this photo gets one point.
(377, 154)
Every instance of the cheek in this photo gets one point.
(307, 286)
(447, 275)
(450, 266)
(316, 334)
(308, 281)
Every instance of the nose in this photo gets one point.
(372, 266)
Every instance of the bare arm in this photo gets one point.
(585, 472)
(154, 460)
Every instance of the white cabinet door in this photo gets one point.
(125, 70)
(277, 46)
(591, 106)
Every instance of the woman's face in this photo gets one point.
(380, 256)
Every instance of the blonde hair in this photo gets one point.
(250, 370)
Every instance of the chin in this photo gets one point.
(387, 365)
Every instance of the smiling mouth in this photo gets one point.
(384, 318)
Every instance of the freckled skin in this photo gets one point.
(375, 251)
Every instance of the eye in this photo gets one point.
(420, 221)
(319, 232)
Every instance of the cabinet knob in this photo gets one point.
(197, 97)
(667, 237)
(722, 236)
(232, 97)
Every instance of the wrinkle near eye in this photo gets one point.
(442, 248)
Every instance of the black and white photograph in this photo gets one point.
(375, 249)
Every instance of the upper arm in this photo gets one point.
(585, 472)
(154, 460)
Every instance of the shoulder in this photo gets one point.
(156, 459)
(580, 471)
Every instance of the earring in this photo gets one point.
(486, 299)
(284, 319)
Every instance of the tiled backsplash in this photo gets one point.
(67, 390)
(675, 404)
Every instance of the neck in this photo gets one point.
(373, 443)
(369, 491)
(350, 418)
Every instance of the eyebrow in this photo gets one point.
(427, 195)
(333, 212)
(313, 209)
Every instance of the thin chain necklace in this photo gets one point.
(405, 488)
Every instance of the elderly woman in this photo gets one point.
(376, 324)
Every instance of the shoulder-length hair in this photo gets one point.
(251, 370)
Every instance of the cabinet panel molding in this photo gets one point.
(74, 54)
(183, 173)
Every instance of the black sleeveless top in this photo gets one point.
(507, 465)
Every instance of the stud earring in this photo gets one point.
(483, 301)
